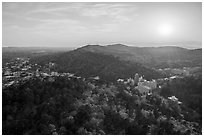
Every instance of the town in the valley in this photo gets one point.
(21, 70)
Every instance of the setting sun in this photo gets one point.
(165, 29)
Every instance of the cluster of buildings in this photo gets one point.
(142, 85)
(20, 70)
(176, 71)
(145, 87)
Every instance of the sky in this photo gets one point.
(76, 24)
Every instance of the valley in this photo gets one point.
(97, 92)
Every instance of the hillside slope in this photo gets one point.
(72, 106)
(157, 57)
(89, 64)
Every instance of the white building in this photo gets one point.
(143, 89)
(45, 74)
(96, 78)
(120, 80)
(136, 79)
(174, 99)
(131, 81)
(146, 86)
(55, 74)
(152, 84)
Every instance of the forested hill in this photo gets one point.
(158, 57)
(66, 105)
(90, 64)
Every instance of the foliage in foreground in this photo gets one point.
(73, 106)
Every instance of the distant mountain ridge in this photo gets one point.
(168, 56)
(9, 53)
(120, 61)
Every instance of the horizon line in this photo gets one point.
(159, 46)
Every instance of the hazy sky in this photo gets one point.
(77, 24)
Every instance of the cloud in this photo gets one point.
(69, 21)
(79, 18)
(60, 21)
(116, 12)
(88, 14)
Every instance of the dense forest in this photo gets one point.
(189, 92)
(89, 64)
(75, 106)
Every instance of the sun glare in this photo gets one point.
(165, 29)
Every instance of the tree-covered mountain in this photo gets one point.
(120, 61)
(91, 64)
(158, 57)
(67, 105)
(189, 92)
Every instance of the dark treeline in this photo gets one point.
(73, 106)
(189, 92)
